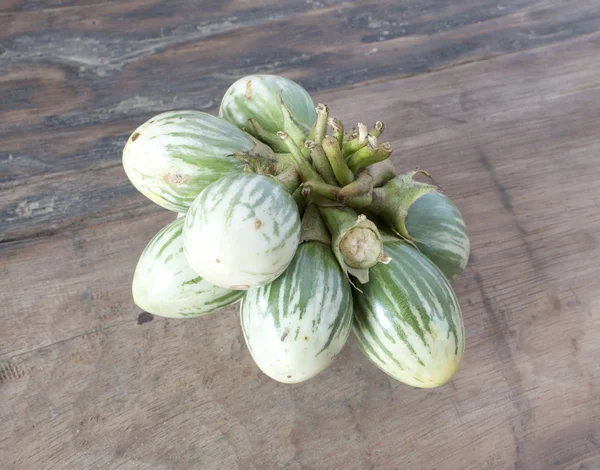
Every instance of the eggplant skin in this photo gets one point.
(242, 231)
(174, 156)
(407, 320)
(438, 229)
(297, 325)
(259, 97)
(164, 284)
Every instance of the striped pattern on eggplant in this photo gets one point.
(258, 97)
(437, 227)
(172, 157)
(295, 326)
(408, 321)
(164, 283)
(242, 231)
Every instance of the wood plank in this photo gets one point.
(512, 139)
(112, 71)
(59, 114)
(73, 151)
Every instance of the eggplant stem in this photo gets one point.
(320, 128)
(363, 184)
(342, 173)
(320, 162)
(289, 179)
(254, 128)
(300, 200)
(338, 130)
(348, 136)
(291, 126)
(364, 201)
(358, 156)
(369, 156)
(318, 188)
(313, 227)
(307, 172)
(351, 146)
(381, 172)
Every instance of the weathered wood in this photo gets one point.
(70, 102)
(512, 138)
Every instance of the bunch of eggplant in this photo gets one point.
(308, 225)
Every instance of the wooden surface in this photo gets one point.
(499, 99)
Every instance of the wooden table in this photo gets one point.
(499, 99)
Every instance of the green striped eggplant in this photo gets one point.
(242, 231)
(172, 157)
(259, 97)
(164, 283)
(421, 214)
(407, 320)
(295, 326)
(437, 227)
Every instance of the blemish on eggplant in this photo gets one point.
(306, 338)
(178, 178)
(257, 224)
(217, 260)
(284, 335)
(249, 89)
(144, 317)
(135, 136)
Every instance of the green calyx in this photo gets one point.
(320, 162)
(393, 200)
(313, 227)
(260, 164)
(254, 128)
(293, 127)
(289, 179)
(305, 169)
(355, 241)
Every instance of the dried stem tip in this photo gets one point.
(377, 129)
(320, 128)
(362, 132)
(338, 130)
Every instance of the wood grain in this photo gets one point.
(501, 102)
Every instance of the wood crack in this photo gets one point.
(7, 357)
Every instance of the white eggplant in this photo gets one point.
(172, 157)
(164, 283)
(295, 326)
(242, 231)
